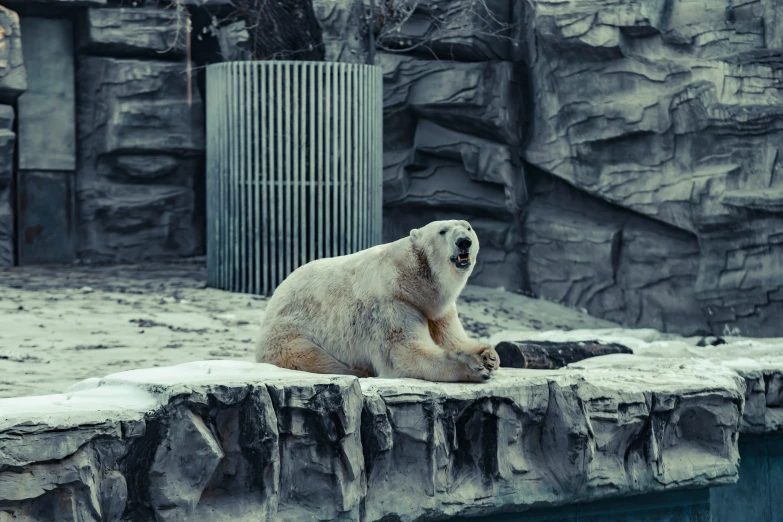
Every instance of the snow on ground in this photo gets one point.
(59, 325)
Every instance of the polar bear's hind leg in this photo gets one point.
(294, 352)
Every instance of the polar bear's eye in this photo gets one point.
(443, 232)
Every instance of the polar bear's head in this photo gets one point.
(450, 243)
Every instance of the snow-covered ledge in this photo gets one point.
(758, 360)
(221, 440)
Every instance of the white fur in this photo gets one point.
(368, 311)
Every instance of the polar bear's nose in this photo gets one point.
(464, 243)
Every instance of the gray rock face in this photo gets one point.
(758, 361)
(586, 253)
(151, 32)
(674, 115)
(7, 142)
(450, 136)
(650, 135)
(226, 440)
(345, 32)
(140, 145)
(461, 30)
(13, 78)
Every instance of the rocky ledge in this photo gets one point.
(224, 440)
(758, 361)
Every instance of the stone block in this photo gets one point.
(137, 222)
(476, 98)
(7, 144)
(13, 78)
(141, 149)
(615, 264)
(345, 32)
(461, 30)
(148, 31)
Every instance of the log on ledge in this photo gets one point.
(548, 355)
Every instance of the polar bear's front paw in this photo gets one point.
(473, 366)
(489, 357)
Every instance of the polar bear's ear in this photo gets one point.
(415, 233)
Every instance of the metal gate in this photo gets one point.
(294, 167)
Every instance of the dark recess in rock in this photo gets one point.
(282, 30)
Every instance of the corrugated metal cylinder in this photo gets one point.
(294, 167)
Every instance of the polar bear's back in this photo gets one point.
(337, 303)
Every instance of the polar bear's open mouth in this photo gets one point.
(462, 260)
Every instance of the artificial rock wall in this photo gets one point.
(13, 82)
(671, 113)
(621, 158)
(454, 117)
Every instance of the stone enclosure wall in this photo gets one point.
(621, 158)
(648, 133)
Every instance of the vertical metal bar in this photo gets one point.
(343, 153)
(247, 144)
(365, 162)
(227, 182)
(274, 263)
(210, 123)
(233, 180)
(293, 118)
(278, 171)
(374, 203)
(210, 173)
(224, 160)
(247, 185)
(232, 173)
(350, 117)
(328, 153)
(301, 107)
(242, 184)
(321, 164)
(336, 152)
(378, 150)
(287, 137)
(263, 144)
(361, 140)
(220, 140)
(254, 145)
(313, 70)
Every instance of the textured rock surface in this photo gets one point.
(461, 30)
(450, 132)
(589, 254)
(674, 113)
(13, 79)
(7, 141)
(141, 145)
(227, 440)
(651, 151)
(758, 361)
(153, 32)
(344, 30)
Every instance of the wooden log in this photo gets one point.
(546, 355)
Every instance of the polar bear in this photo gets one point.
(388, 311)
